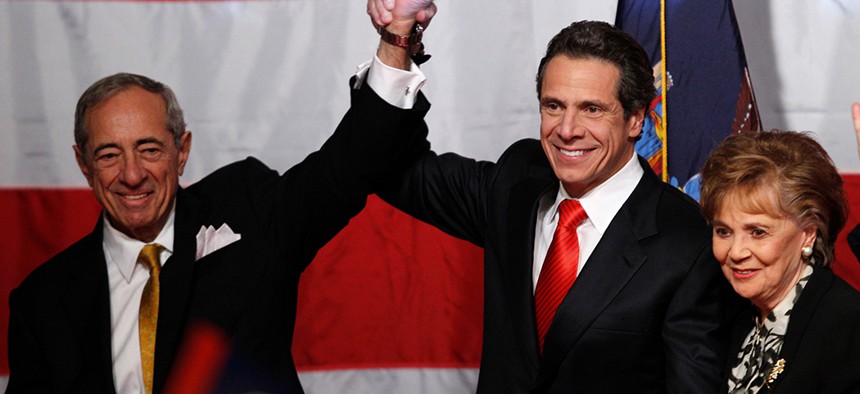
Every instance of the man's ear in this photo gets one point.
(82, 164)
(634, 123)
(184, 150)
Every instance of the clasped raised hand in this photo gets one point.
(384, 12)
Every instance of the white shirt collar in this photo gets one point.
(603, 202)
(122, 250)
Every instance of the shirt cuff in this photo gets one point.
(397, 87)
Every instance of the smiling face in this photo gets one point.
(759, 247)
(132, 162)
(583, 130)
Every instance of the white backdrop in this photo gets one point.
(804, 60)
(264, 78)
(269, 78)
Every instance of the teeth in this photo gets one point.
(572, 153)
(135, 196)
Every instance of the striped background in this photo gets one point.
(391, 305)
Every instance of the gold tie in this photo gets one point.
(149, 257)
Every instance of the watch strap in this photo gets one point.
(401, 40)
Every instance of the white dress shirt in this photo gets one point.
(600, 204)
(126, 279)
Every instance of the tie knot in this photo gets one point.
(149, 257)
(571, 214)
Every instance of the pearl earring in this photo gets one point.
(806, 251)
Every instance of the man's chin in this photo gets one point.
(136, 226)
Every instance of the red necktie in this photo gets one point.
(559, 267)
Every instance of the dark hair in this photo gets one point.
(808, 187)
(600, 40)
(110, 86)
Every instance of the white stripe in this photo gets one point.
(267, 78)
(263, 78)
(373, 381)
(803, 58)
(394, 380)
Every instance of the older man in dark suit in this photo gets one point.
(109, 313)
(598, 276)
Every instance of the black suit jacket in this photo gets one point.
(821, 347)
(644, 315)
(60, 335)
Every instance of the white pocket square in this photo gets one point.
(210, 240)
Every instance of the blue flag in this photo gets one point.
(703, 87)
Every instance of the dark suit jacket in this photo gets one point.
(60, 335)
(822, 343)
(644, 315)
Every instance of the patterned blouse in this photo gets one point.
(760, 350)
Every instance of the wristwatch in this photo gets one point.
(402, 41)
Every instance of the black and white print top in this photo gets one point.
(760, 350)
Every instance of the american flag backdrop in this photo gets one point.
(390, 305)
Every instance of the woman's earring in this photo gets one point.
(806, 251)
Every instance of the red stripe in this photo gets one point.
(35, 224)
(413, 300)
(388, 291)
(845, 264)
(398, 293)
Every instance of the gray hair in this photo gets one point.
(110, 86)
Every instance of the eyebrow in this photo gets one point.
(142, 141)
(593, 103)
(756, 225)
(744, 226)
(579, 104)
(150, 140)
(548, 99)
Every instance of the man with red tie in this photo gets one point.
(599, 277)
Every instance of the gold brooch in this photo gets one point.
(774, 373)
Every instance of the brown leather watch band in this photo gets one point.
(402, 41)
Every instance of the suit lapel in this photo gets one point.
(524, 203)
(617, 257)
(88, 305)
(801, 315)
(176, 284)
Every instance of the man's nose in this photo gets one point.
(571, 125)
(132, 172)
